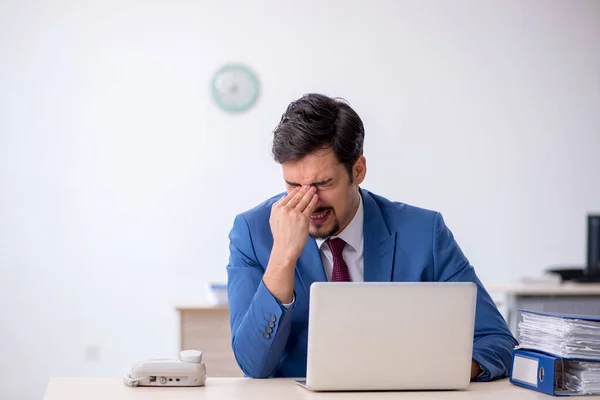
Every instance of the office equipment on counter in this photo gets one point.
(590, 273)
(593, 247)
(555, 375)
(390, 335)
(188, 370)
(217, 294)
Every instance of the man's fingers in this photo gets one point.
(305, 200)
(311, 206)
(295, 199)
(285, 199)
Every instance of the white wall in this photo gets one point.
(119, 179)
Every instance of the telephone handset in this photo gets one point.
(189, 370)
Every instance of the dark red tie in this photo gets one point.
(340, 269)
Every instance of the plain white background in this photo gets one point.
(120, 178)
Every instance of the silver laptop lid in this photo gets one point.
(390, 335)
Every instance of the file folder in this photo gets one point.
(549, 374)
(569, 336)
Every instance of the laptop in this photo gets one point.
(368, 336)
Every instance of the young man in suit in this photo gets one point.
(327, 228)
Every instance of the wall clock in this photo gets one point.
(235, 88)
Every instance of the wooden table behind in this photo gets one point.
(207, 329)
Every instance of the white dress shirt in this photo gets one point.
(353, 250)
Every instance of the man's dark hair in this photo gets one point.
(315, 122)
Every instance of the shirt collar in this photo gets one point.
(353, 232)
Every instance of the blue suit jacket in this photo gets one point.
(401, 243)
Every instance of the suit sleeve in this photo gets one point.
(493, 341)
(260, 325)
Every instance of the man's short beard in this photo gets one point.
(330, 232)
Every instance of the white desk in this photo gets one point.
(571, 298)
(263, 389)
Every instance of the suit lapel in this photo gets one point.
(310, 265)
(379, 244)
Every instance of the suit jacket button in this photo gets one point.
(273, 319)
(271, 324)
(269, 330)
(266, 335)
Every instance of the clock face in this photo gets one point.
(235, 88)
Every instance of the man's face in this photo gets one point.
(338, 196)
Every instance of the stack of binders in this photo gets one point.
(558, 354)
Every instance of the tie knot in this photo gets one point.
(337, 246)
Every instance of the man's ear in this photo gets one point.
(359, 170)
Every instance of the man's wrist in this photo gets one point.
(278, 290)
(281, 257)
(279, 277)
(290, 304)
